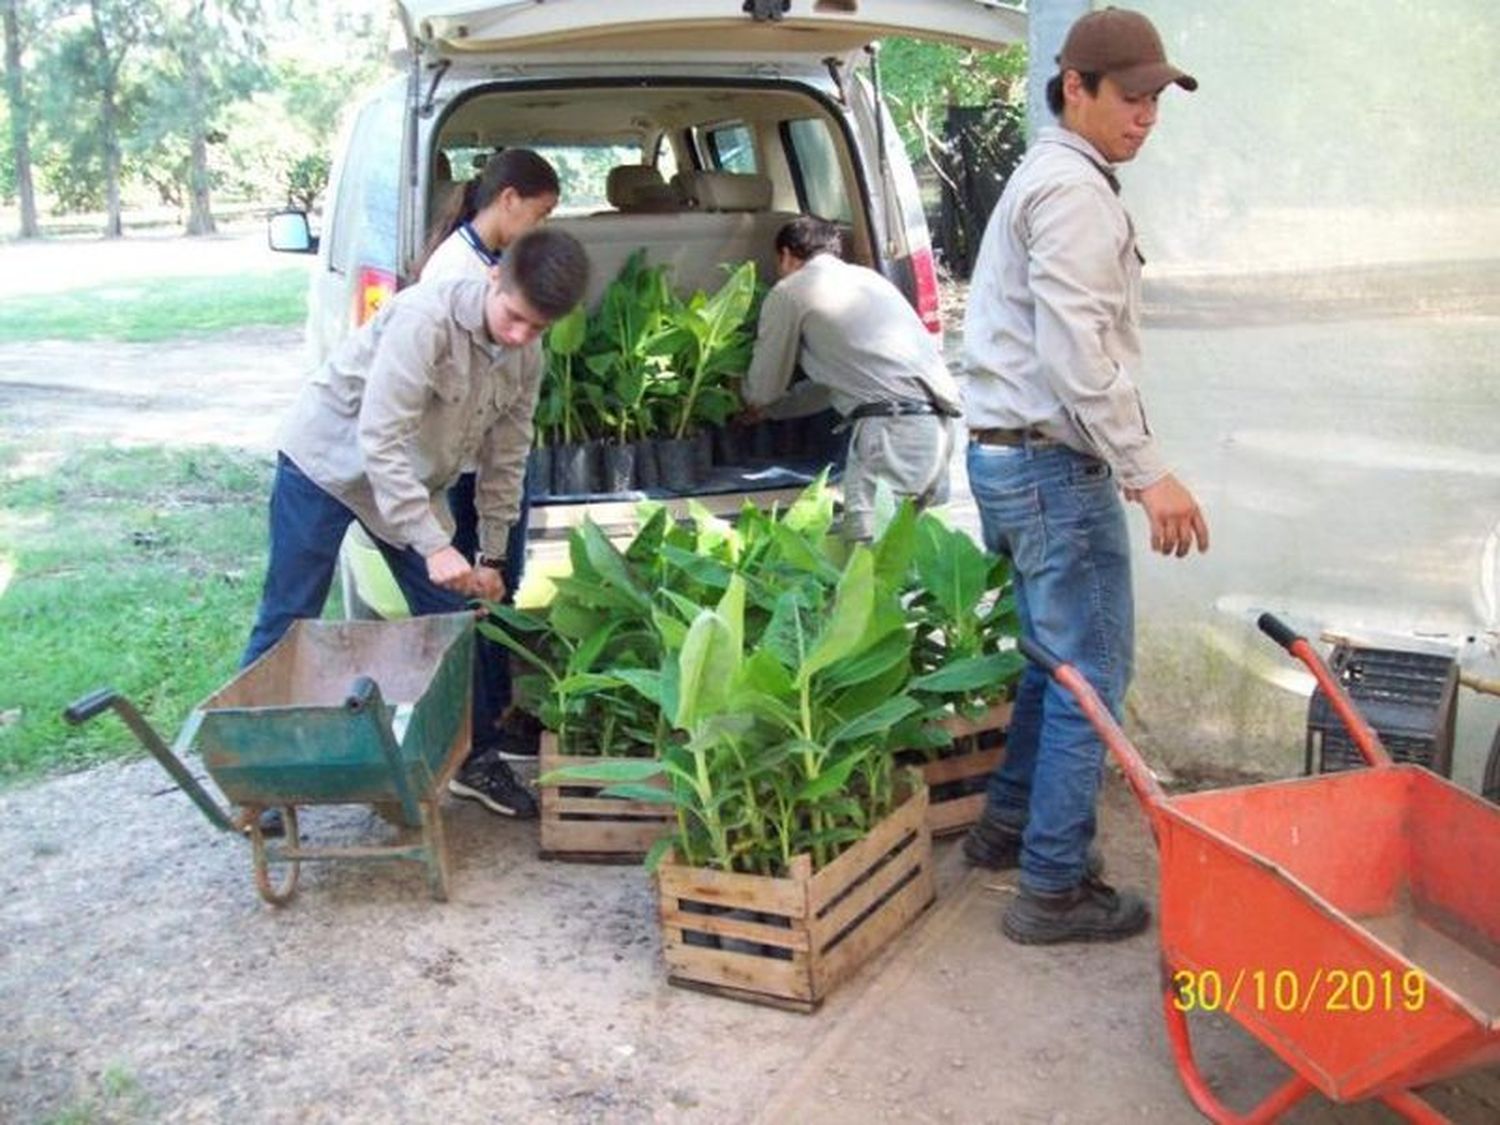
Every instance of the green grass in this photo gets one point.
(157, 308)
(118, 1100)
(139, 569)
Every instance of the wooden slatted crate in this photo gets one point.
(788, 941)
(578, 824)
(956, 783)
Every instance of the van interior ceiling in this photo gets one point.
(731, 165)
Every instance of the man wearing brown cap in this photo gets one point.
(1057, 432)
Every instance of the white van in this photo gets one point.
(731, 116)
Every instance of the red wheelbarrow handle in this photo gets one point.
(1142, 781)
(1364, 736)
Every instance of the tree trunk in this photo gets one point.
(200, 212)
(20, 121)
(981, 147)
(109, 126)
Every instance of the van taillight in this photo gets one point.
(375, 285)
(924, 273)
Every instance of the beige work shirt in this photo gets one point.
(1051, 333)
(856, 336)
(387, 423)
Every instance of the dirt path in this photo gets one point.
(229, 389)
(142, 980)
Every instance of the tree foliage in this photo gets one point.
(921, 79)
(174, 102)
(72, 140)
(306, 179)
(209, 54)
(960, 114)
(16, 176)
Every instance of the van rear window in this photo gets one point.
(363, 219)
(731, 148)
(814, 160)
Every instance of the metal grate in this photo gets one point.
(1408, 697)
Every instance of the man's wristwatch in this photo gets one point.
(494, 562)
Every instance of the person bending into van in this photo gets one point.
(1057, 429)
(514, 193)
(446, 374)
(865, 350)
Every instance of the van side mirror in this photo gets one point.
(288, 231)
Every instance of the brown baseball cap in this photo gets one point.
(1124, 45)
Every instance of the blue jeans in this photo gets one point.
(1057, 515)
(307, 528)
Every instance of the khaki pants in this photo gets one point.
(909, 452)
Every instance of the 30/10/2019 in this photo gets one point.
(1288, 990)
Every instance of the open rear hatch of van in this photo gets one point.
(699, 28)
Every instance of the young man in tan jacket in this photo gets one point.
(445, 375)
(1057, 431)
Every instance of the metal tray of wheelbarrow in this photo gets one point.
(1348, 921)
(336, 712)
(282, 732)
(1352, 917)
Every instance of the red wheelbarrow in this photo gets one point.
(1350, 921)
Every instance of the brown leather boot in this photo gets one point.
(1091, 911)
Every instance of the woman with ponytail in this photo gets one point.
(515, 192)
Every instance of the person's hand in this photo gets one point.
(489, 584)
(1176, 520)
(748, 416)
(447, 568)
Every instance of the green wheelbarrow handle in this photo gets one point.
(107, 699)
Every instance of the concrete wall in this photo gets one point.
(1331, 133)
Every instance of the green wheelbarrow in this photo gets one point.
(336, 712)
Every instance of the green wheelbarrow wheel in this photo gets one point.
(277, 894)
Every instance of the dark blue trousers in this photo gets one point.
(466, 539)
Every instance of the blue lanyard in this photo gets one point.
(471, 236)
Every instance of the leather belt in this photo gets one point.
(897, 410)
(1030, 435)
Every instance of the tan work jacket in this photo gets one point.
(389, 421)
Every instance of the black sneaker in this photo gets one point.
(272, 824)
(1091, 911)
(518, 737)
(996, 846)
(490, 781)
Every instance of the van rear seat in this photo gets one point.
(728, 220)
(639, 187)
